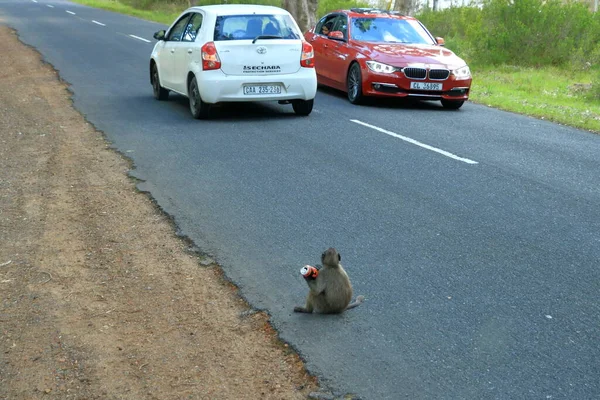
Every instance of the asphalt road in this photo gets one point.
(474, 235)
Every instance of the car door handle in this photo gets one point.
(172, 50)
(189, 51)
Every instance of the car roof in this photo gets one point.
(237, 9)
(373, 12)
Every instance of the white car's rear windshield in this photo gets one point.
(243, 27)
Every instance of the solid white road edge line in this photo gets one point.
(139, 38)
(98, 23)
(415, 142)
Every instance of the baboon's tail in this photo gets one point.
(359, 299)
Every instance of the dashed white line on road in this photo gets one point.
(35, 1)
(139, 38)
(49, 5)
(415, 142)
(98, 23)
(71, 12)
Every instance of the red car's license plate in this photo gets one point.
(426, 86)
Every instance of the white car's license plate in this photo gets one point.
(426, 86)
(262, 89)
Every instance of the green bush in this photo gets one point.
(594, 92)
(524, 32)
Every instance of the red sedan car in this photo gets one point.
(372, 52)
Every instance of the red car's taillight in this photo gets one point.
(308, 56)
(210, 57)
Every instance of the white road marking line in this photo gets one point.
(71, 12)
(415, 142)
(98, 23)
(139, 38)
(35, 1)
(49, 5)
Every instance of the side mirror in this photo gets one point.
(160, 35)
(336, 35)
(440, 41)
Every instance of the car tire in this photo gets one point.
(160, 93)
(452, 104)
(198, 108)
(303, 107)
(354, 84)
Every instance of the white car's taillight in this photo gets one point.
(308, 56)
(210, 57)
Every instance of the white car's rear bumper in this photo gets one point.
(215, 86)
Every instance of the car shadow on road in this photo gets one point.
(386, 102)
(241, 111)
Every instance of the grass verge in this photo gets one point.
(563, 96)
(554, 94)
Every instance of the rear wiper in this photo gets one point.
(266, 37)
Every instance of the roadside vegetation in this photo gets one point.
(534, 57)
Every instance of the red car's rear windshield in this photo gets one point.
(389, 30)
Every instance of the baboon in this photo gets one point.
(331, 291)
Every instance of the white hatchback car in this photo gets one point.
(234, 53)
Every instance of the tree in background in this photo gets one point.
(406, 7)
(306, 12)
(303, 11)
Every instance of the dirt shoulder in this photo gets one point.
(100, 298)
